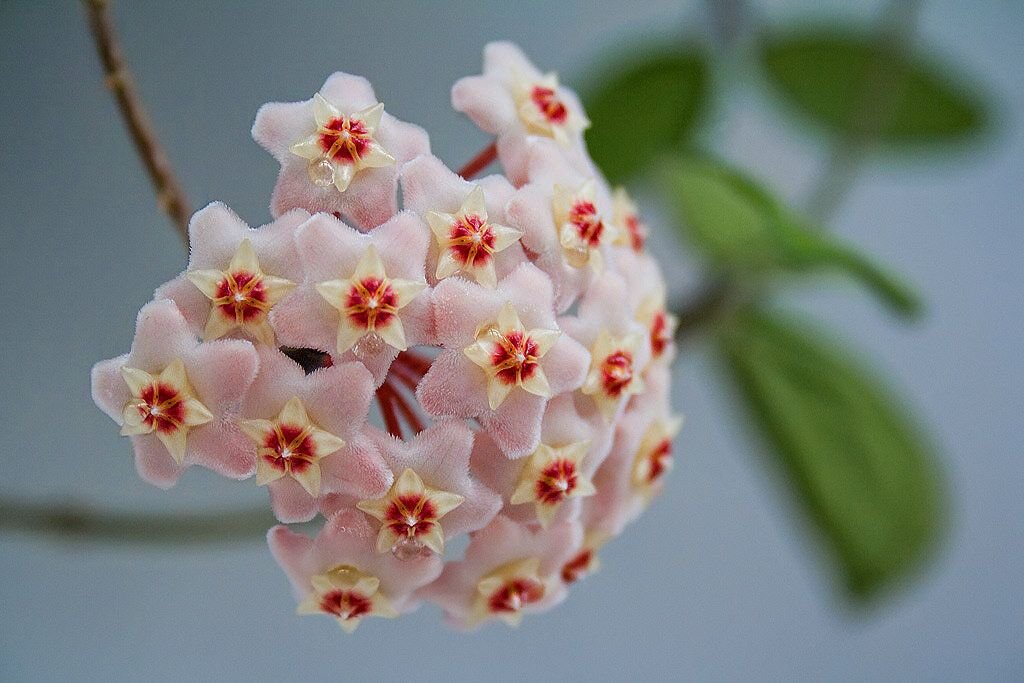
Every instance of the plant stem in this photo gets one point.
(481, 161)
(78, 522)
(169, 194)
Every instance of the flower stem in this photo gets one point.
(169, 194)
(386, 400)
(481, 161)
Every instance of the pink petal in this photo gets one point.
(486, 101)
(154, 463)
(221, 372)
(161, 336)
(453, 386)
(356, 470)
(515, 425)
(109, 390)
(566, 365)
(291, 502)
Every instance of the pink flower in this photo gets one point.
(339, 151)
(549, 485)
(235, 274)
(467, 221)
(513, 100)
(340, 574)
(618, 344)
(640, 460)
(509, 570)
(434, 497)
(646, 295)
(305, 434)
(178, 398)
(363, 295)
(503, 357)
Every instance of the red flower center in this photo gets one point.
(587, 222)
(371, 302)
(346, 604)
(514, 357)
(241, 297)
(637, 232)
(617, 372)
(556, 482)
(163, 409)
(289, 448)
(549, 105)
(410, 515)
(472, 240)
(660, 338)
(515, 594)
(576, 568)
(345, 140)
(659, 460)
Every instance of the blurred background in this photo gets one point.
(724, 577)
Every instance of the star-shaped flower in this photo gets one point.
(362, 295)
(236, 274)
(461, 384)
(515, 101)
(653, 459)
(433, 499)
(340, 574)
(631, 230)
(509, 569)
(339, 151)
(585, 562)
(646, 295)
(291, 445)
(369, 302)
(581, 227)
(510, 355)
(551, 476)
(614, 375)
(305, 434)
(348, 595)
(178, 398)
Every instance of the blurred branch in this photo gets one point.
(69, 522)
(169, 194)
(872, 108)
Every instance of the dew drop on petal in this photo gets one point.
(370, 344)
(321, 172)
(409, 549)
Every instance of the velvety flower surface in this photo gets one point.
(480, 367)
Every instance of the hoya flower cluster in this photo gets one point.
(507, 333)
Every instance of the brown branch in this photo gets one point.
(169, 195)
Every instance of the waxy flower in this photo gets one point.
(236, 274)
(339, 151)
(498, 367)
(434, 497)
(361, 293)
(177, 398)
(465, 219)
(512, 330)
(341, 575)
(513, 100)
(508, 570)
(305, 434)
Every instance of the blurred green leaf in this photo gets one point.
(857, 463)
(844, 81)
(738, 225)
(640, 107)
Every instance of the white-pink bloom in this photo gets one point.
(339, 151)
(509, 570)
(504, 357)
(340, 574)
(515, 101)
(363, 295)
(236, 274)
(178, 398)
(306, 437)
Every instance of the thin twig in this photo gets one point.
(481, 161)
(169, 194)
(78, 522)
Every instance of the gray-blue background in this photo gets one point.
(717, 581)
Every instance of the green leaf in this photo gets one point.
(737, 224)
(854, 85)
(640, 107)
(856, 462)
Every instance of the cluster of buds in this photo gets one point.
(490, 359)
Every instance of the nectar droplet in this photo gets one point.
(409, 549)
(370, 344)
(321, 172)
